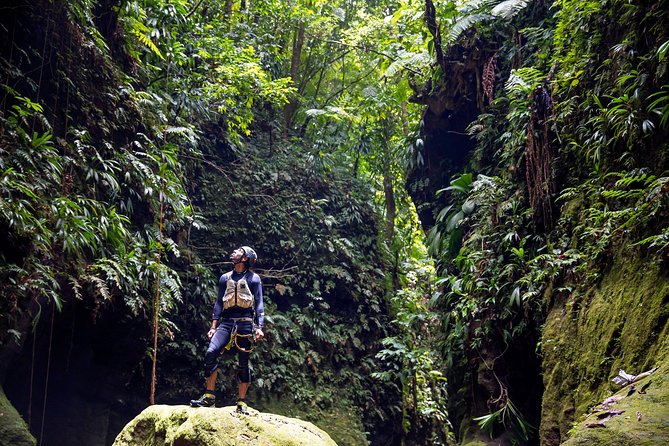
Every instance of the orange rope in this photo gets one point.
(156, 303)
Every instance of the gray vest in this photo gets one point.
(237, 294)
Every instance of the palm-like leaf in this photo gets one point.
(509, 8)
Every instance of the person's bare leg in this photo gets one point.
(243, 388)
(241, 404)
(210, 383)
(208, 399)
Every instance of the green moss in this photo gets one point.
(341, 420)
(645, 420)
(472, 437)
(622, 324)
(13, 430)
(186, 426)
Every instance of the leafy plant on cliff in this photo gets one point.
(619, 206)
(79, 242)
(604, 137)
(411, 357)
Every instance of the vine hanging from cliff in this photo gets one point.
(539, 158)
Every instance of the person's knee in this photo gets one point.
(210, 363)
(244, 375)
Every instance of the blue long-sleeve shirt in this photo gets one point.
(255, 285)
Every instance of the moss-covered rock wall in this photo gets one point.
(13, 429)
(621, 323)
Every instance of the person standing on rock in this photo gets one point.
(236, 323)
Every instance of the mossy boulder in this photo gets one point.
(13, 430)
(341, 419)
(619, 324)
(187, 426)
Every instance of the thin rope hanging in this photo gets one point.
(46, 379)
(156, 303)
(47, 30)
(157, 300)
(32, 379)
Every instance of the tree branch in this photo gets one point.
(190, 13)
(371, 50)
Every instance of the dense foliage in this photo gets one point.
(570, 161)
(142, 140)
(165, 150)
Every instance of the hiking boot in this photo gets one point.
(207, 399)
(242, 408)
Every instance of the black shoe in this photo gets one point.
(242, 408)
(208, 399)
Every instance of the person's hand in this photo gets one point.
(211, 332)
(259, 335)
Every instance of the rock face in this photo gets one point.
(13, 430)
(186, 426)
(621, 324)
(637, 415)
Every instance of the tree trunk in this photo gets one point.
(388, 177)
(391, 210)
(435, 30)
(298, 43)
(228, 12)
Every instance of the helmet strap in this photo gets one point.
(240, 263)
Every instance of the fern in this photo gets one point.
(336, 113)
(523, 81)
(114, 272)
(146, 41)
(100, 287)
(629, 179)
(659, 241)
(622, 194)
(463, 24)
(170, 286)
(509, 8)
(184, 132)
(479, 11)
(82, 12)
(407, 59)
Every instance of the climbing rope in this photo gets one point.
(41, 68)
(233, 340)
(46, 379)
(47, 31)
(32, 378)
(156, 303)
